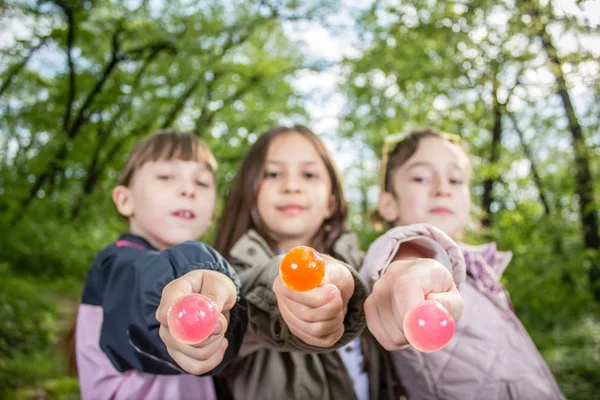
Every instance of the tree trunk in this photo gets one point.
(537, 180)
(488, 184)
(583, 177)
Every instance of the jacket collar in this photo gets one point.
(497, 260)
(135, 240)
(252, 249)
(348, 250)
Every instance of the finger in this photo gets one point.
(423, 277)
(217, 334)
(314, 298)
(339, 275)
(199, 367)
(219, 287)
(201, 351)
(374, 323)
(332, 308)
(172, 292)
(434, 276)
(218, 331)
(382, 325)
(407, 292)
(315, 333)
(325, 341)
(452, 302)
(391, 319)
(315, 329)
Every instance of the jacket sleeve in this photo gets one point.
(382, 251)
(266, 327)
(132, 293)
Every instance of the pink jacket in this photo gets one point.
(100, 380)
(491, 355)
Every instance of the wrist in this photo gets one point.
(412, 249)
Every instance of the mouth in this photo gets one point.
(441, 211)
(291, 209)
(184, 214)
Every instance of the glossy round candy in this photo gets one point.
(192, 318)
(428, 326)
(302, 268)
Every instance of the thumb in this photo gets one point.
(215, 285)
(339, 275)
(452, 301)
(220, 288)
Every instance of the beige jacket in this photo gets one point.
(273, 363)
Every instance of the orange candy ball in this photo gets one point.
(302, 269)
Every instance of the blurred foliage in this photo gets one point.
(27, 322)
(30, 330)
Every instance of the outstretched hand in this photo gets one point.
(198, 358)
(317, 316)
(405, 284)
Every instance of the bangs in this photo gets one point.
(177, 147)
(169, 145)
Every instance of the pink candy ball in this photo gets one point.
(192, 318)
(428, 326)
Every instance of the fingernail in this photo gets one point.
(332, 294)
(218, 328)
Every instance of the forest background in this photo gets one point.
(82, 81)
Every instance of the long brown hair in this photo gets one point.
(166, 144)
(240, 213)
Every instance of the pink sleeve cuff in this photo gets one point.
(382, 251)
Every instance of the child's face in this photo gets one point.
(294, 197)
(168, 201)
(431, 187)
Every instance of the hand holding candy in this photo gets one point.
(428, 326)
(193, 313)
(315, 311)
(192, 318)
(400, 311)
(302, 269)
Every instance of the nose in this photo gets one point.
(442, 188)
(187, 189)
(291, 184)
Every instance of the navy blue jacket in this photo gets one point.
(126, 281)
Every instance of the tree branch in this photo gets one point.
(205, 119)
(70, 40)
(180, 104)
(83, 113)
(14, 71)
